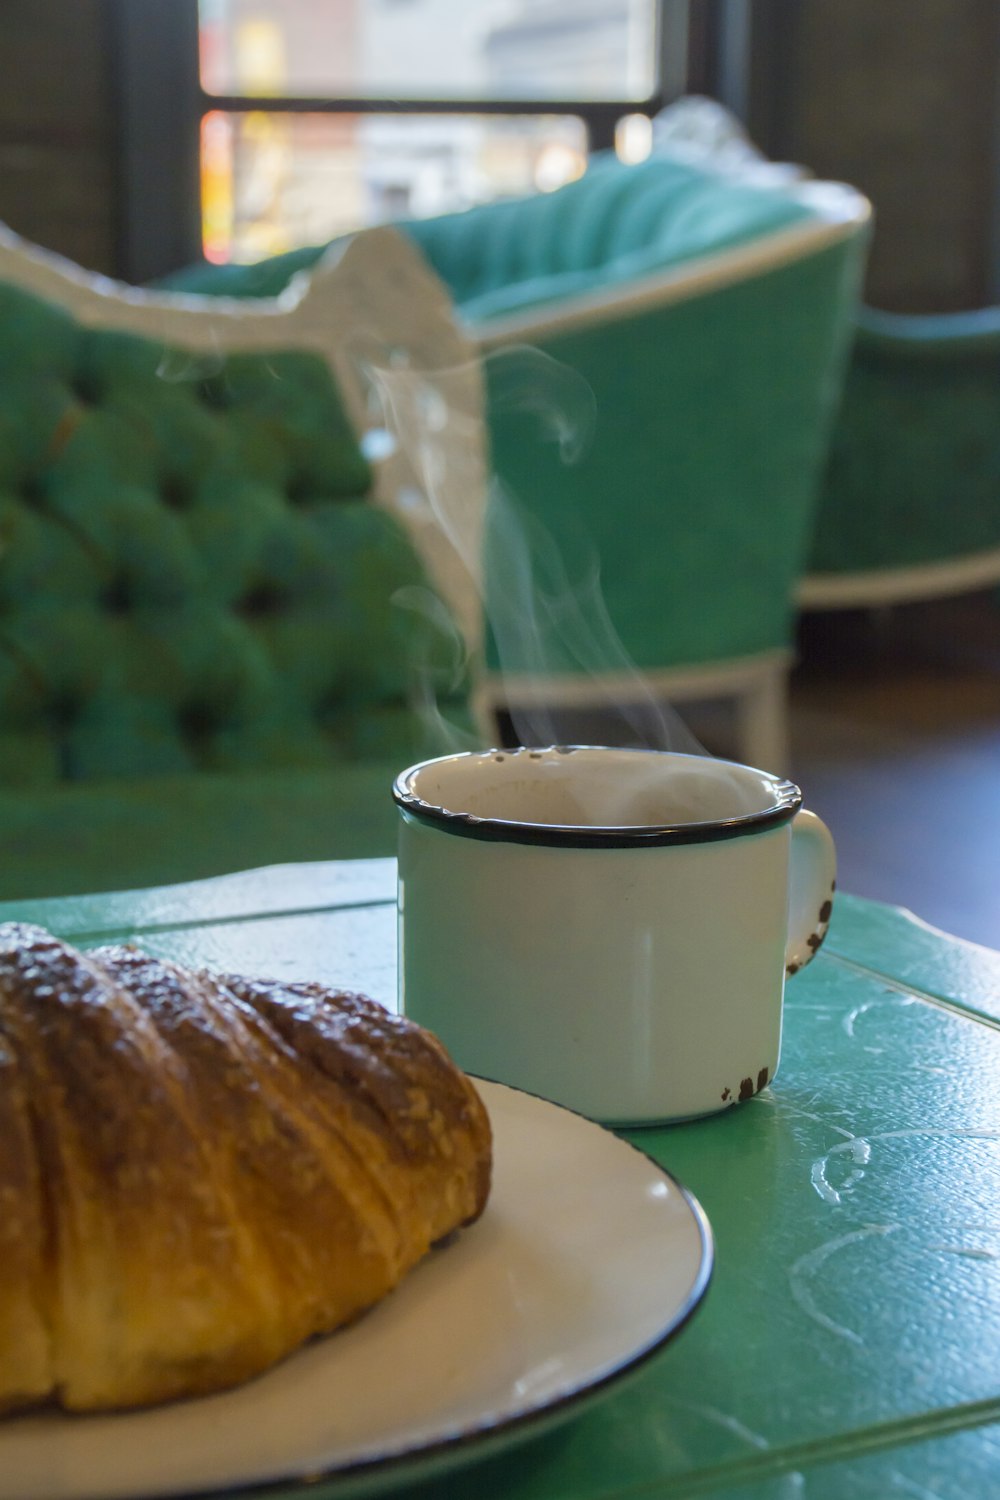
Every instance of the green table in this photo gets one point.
(850, 1343)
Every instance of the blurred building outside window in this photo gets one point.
(311, 127)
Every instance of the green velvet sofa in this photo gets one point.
(204, 661)
(663, 348)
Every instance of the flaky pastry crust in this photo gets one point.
(198, 1172)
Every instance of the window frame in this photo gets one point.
(160, 104)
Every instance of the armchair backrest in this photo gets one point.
(614, 224)
(713, 353)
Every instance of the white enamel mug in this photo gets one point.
(608, 928)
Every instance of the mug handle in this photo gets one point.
(811, 884)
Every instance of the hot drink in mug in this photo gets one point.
(608, 928)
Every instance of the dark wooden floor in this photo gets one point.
(896, 744)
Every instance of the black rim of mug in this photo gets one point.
(787, 802)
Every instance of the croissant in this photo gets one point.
(199, 1172)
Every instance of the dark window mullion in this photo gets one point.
(154, 69)
(597, 109)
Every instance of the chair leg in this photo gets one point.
(762, 722)
(486, 716)
(760, 713)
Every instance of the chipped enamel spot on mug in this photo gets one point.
(747, 1088)
(816, 939)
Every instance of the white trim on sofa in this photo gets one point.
(757, 685)
(874, 588)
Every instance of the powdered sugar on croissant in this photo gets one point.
(199, 1172)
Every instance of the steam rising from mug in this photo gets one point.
(544, 608)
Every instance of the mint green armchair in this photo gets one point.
(698, 323)
(656, 456)
(910, 504)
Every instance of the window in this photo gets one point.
(490, 98)
(281, 123)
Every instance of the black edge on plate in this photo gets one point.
(323, 1483)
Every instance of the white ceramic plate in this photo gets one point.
(588, 1257)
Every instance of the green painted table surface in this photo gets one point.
(849, 1345)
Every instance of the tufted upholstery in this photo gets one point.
(191, 577)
